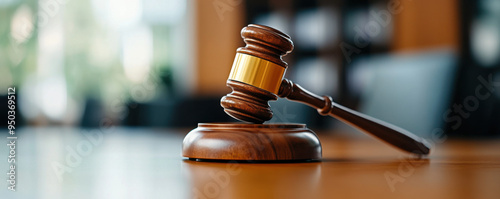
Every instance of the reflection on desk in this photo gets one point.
(146, 163)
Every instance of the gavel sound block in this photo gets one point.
(257, 76)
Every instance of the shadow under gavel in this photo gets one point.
(257, 77)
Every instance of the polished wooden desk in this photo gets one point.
(146, 163)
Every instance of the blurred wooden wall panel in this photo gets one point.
(217, 24)
(426, 24)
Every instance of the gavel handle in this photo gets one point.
(389, 133)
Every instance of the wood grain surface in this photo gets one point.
(147, 163)
(361, 168)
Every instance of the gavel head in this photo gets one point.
(257, 73)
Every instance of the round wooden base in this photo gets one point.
(254, 142)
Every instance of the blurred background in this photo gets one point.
(424, 65)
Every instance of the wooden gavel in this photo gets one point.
(257, 76)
